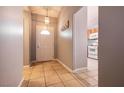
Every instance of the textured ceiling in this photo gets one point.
(53, 11)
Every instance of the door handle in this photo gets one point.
(38, 46)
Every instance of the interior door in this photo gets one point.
(44, 44)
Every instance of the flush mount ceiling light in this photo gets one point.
(45, 32)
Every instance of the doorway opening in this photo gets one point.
(85, 45)
(43, 36)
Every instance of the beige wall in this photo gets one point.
(11, 45)
(26, 37)
(64, 38)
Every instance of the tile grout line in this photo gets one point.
(74, 76)
(29, 77)
(59, 76)
(44, 76)
(78, 79)
(86, 80)
(83, 81)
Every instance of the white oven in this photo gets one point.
(93, 52)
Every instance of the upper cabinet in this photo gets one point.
(92, 22)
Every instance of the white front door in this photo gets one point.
(44, 44)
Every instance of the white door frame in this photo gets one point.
(80, 39)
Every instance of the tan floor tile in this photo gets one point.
(72, 83)
(92, 73)
(46, 63)
(52, 80)
(91, 81)
(58, 67)
(49, 72)
(83, 75)
(42, 74)
(49, 68)
(37, 71)
(25, 83)
(96, 78)
(37, 68)
(66, 77)
(35, 75)
(27, 76)
(85, 83)
(27, 71)
(61, 71)
(37, 83)
(57, 85)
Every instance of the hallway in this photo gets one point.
(44, 37)
(49, 74)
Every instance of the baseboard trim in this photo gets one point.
(34, 61)
(66, 67)
(83, 69)
(20, 83)
(43, 61)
